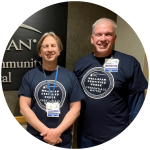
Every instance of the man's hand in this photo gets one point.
(52, 136)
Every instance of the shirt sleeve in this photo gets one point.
(76, 93)
(136, 81)
(135, 103)
(24, 89)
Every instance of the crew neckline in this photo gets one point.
(101, 58)
(47, 71)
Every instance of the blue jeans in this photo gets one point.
(84, 142)
(58, 145)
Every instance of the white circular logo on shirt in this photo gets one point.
(42, 94)
(97, 83)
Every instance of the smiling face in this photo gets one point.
(49, 50)
(103, 39)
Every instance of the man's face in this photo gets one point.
(49, 50)
(103, 39)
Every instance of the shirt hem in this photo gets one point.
(92, 138)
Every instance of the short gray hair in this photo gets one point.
(104, 20)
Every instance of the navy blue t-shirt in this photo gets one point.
(67, 90)
(104, 112)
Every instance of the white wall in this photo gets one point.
(128, 42)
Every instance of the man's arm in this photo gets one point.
(135, 103)
(25, 104)
(68, 120)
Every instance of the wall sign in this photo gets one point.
(20, 55)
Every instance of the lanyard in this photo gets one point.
(54, 82)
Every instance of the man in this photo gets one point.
(50, 96)
(114, 87)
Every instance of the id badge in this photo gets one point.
(56, 109)
(49, 109)
(52, 109)
(111, 65)
(56, 106)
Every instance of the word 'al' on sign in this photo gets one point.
(6, 79)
